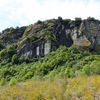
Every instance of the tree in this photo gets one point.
(1, 46)
(15, 59)
(11, 50)
(90, 18)
(67, 20)
(21, 60)
(26, 59)
(60, 19)
(39, 22)
(77, 19)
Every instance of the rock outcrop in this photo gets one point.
(41, 38)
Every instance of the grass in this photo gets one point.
(78, 88)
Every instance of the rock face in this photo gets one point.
(41, 38)
(87, 35)
(12, 37)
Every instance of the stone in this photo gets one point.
(47, 47)
(35, 43)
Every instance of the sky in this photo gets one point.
(15, 13)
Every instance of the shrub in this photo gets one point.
(95, 68)
(33, 36)
(28, 38)
(78, 19)
(1, 46)
(90, 19)
(67, 20)
(67, 72)
(26, 59)
(60, 19)
(15, 59)
(86, 70)
(21, 60)
(39, 22)
(11, 50)
(3, 52)
(73, 49)
(12, 82)
(2, 82)
(8, 29)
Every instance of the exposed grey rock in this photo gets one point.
(83, 34)
(12, 37)
(47, 47)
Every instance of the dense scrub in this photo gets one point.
(64, 62)
(78, 88)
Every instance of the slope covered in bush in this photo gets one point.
(64, 62)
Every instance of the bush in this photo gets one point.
(67, 20)
(67, 72)
(3, 52)
(91, 19)
(15, 59)
(21, 60)
(8, 29)
(28, 38)
(86, 70)
(11, 50)
(73, 49)
(2, 82)
(95, 68)
(78, 19)
(1, 46)
(39, 22)
(60, 19)
(12, 82)
(26, 59)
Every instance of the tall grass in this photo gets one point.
(78, 88)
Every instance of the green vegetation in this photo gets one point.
(60, 63)
(91, 19)
(60, 75)
(1, 46)
(28, 28)
(11, 50)
(67, 20)
(60, 19)
(78, 19)
(39, 22)
(11, 29)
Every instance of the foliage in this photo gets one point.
(12, 82)
(28, 38)
(28, 28)
(84, 88)
(39, 22)
(15, 59)
(21, 60)
(78, 19)
(11, 50)
(67, 20)
(8, 29)
(60, 19)
(64, 61)
(2, 53)
(91, 19)
(1, 46)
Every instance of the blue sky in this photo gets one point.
(24, 12)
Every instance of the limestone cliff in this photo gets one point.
(41, 38)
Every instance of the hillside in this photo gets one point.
(42, 37)
(61, 55)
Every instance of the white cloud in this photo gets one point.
(24, 12)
